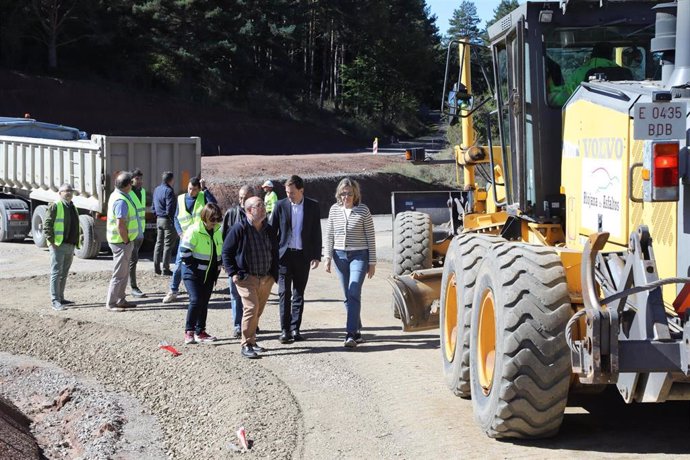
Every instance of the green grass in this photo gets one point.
(437, 174)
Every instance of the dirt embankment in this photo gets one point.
(321, 174)
(101, 107)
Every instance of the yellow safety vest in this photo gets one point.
(196, 244)
(112, 234)
(186, 219)
(59, 225)
(140, 206)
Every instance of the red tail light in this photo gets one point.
(19, 216)
(665, 164)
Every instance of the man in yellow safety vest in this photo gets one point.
(189, 206)
(121, 231)
(138, 196)
(62, 232)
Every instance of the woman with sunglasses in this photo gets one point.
(200, 249)
(351, 244)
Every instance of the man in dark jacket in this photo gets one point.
(61, 230)
(164, 206)
(297, 220)
(250, 257)
(231, 217)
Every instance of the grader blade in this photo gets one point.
(415, 298)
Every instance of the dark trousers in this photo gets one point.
(293, 274)
(133, 262)
(199, 296)
(166, 237)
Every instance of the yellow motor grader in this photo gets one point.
(568, 270)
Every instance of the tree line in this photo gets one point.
(370, 58)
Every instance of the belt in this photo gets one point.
(259, 276)
(294, 250)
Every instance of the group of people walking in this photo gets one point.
(258, 242)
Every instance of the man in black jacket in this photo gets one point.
(250, 257)
(231, 217)
(297, 219)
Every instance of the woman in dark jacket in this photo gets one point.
(201, 249)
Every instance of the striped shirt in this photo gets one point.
(350, 232)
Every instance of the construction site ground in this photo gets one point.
(95, 384)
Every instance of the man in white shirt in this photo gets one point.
(297, 220)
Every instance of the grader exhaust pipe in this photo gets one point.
(415, 298)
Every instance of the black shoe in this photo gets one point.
(157, 270)
(258, 349)
(167, 272)
(248, 352)
(285, 337)
(297, 337)
(358, 337)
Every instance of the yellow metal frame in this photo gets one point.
(450, 323)
(486, 341)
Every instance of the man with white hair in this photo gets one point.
(61, 230)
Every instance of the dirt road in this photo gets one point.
(313, 400)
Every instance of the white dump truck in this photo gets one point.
(36, 158)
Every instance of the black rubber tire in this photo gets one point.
(37, 220)
(412, 242)
(90, 246)
(532, 369)
(463, 259)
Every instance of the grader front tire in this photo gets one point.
(459, 277)
(519, 361)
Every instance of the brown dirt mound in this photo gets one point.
(101, 107)
(321, 174)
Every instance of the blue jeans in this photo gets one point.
(235, 304)
(60, 262)
(199, 296)
(177, 274)
(352, 267)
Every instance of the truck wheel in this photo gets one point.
(519, 361)
(457, 288)
(90, 246)
(412, 241)
(37, 220)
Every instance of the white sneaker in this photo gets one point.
(170, 297)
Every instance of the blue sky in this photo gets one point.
(443, 9)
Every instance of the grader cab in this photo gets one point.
(568, 271)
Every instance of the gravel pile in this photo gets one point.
(73, 418)
(199, 399)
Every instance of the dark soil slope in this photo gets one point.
(103, 108)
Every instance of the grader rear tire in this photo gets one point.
(457, 287)
(412, 242)
(519, 361)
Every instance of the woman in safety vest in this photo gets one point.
(200, 251)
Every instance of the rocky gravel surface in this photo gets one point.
(76, 418)
(194, 396)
